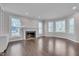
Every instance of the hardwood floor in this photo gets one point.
(44, 46)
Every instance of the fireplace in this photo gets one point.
(30, 34)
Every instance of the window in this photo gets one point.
(50, 26)
(71, 25)
(60, 26)
(15, 26)
(40, 25)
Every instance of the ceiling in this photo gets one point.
(41, 10)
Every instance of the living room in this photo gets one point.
(39, 29)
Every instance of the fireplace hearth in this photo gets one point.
(30, 35)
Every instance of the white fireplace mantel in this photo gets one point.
(29, 29)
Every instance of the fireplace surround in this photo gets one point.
(27, 31)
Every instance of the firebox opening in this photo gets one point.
(30, 34)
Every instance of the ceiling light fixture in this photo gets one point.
(39, 17)
(27, 13)
(74, 7)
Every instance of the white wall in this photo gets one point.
(77, 26)
(0, 19)
(29, 23)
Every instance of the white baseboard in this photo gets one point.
(65, 38)
(47, 36)
(74, 41)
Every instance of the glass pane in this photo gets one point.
(50, 26)
(71, 25)
(60, 26)
(15, 26)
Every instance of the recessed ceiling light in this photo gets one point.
(74, 7)
(27, 13)
(39, 17)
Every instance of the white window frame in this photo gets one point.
(40, 27)
(18, 28)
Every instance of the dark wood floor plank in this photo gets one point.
(44, 46)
